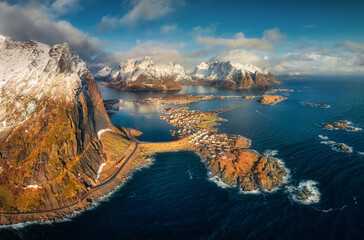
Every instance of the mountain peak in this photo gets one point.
(229, 74)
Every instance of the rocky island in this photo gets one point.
(306, 192)
(318, 105)
(271, 99)
(341, 124)
(338, 147)
(275, 90)
(179, 99)
(250, 97)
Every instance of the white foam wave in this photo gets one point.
(311, 186)
(328, 142)
(287, 178)
(331, 209)
(218, 182)
(190, 174)
(323, 137)
(255, 192)
(270, 153)
(361, 153)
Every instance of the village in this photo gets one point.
(198, 126)
(179, 99)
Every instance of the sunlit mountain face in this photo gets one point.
(162, 119)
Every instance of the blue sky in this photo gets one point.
(308, 37)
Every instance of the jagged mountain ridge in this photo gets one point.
(51, 113)
(144, 75)
(232, 75)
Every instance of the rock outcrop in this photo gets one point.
(248, 170)
(144, 75)
(271, 99)
(233, 76)
(51, 119)
(342, 124)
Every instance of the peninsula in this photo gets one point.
(226, 156)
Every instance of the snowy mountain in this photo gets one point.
(51, 113)
(144, 75)
(106, 74)
(232, 75)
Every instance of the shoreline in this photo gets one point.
(226, 149)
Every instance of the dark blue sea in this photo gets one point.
(174, 199)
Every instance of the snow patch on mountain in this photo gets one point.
(132, 69)
(107, 73)
(31, 71)
(218, 70)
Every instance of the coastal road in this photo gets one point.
(94, 188)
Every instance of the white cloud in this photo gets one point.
(168, 28)
(65, 6)
(141, 10)
(240, 41)
(351, 46)
(36, 22)
(160, 52)
(321, 62)
(239, 56)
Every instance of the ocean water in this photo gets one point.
(174, 198)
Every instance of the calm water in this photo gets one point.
(173, 198)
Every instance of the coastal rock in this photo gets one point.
(249, 170)
(232, 76)
(318, 105)
(144, 75)
(338, 147)
(305, 193)
(250, 97)
(271, 99)
(275, 90)
(342, 124)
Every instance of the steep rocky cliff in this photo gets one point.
(51, 113)
(232, 76)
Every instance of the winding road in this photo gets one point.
(93, 188)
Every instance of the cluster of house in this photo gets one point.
(191, 123)
(156, 101)
(187, 121)
(212, 145)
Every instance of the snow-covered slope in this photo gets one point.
(143, 74)
(106, 74)
(50, 114)
(32, 71)
(232, 75)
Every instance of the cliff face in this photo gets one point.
(233, 76)
(144, 75)
(50, 114)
